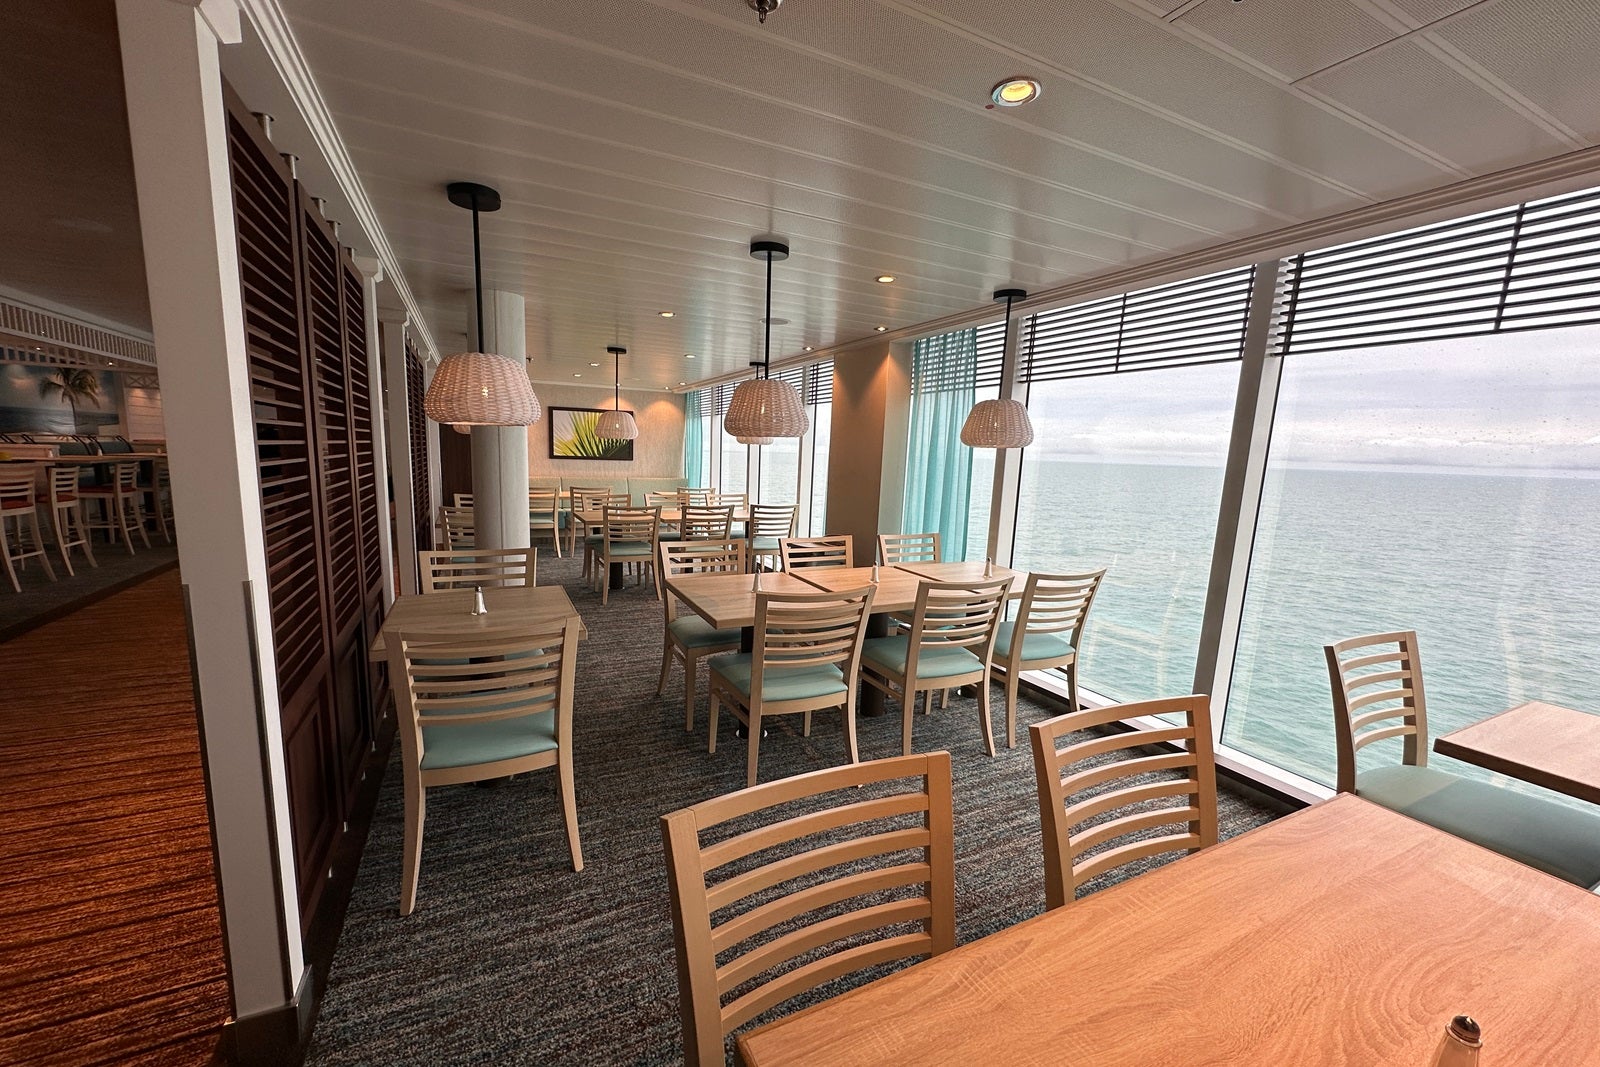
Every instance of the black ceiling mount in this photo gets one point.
(472, 196)
(616, 350)
(763, 8)
(1010, 295)
(759, 249)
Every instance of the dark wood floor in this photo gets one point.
(110, 939)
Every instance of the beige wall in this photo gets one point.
(658, 452)
(867, 452)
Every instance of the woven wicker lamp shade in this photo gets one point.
(766, 407)
(481, 389)
(998, 424)
(617, 426)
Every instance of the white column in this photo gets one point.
(371, 274)
(180, 156)
(397, 401)
(500, 453)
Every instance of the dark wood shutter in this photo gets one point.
(421, 498)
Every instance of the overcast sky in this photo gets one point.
(1507, 400)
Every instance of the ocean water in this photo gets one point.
(1497, 573)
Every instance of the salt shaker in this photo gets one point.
(478, 607)
(1460, 1044)
(874, 572)
(988, 568)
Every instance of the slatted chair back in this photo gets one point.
(801, 845)
(629, 525)
(801, 631)
(1057, 604)
(1377, 678)
(698, 523)
(1173, 794)
(660, 500)
(461, 500)
(16, 488)
(460, 528)
(465, 568)
(816, 552)
(678, 558)
(895, 549)
(774, 520)
(738, 501)
(696, 497)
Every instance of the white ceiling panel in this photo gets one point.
(1290, 38)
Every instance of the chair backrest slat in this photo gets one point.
(460, 528)
(816, 552)
(699, 522)
(1352, 678)
(697, 557)
(463, 568)
(894, 549)
(773, 520)
(627, 524)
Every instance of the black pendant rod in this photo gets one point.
(616, 381)
(477, 272)
(766, 355)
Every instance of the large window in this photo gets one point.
(780, 472)
(1449, 487)
(735, 469)
(821, 435)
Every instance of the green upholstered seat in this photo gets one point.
(792, 683)
(933, 662)
(1034, 646)
(691, 631)
(630, 550)
(486, 742)
(762, 544)
(1554, 838)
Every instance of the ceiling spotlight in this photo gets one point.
(808, 348)
(880, 329)
(577, 374)
(683, 383)
(885, 279)
(1014, 92)
(666, 314)
(688, 355)
(594, 364)
(763, 8)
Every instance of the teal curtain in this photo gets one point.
(938, 466)
(694, 442)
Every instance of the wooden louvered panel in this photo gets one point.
(366, 466)
(418, 431)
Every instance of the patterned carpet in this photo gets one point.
(511, 957)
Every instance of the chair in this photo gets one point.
(464, 568)
(1074, 852)
(544, 514)
(696, 497)
(460, 528)
(160, 493)
(815, 552)
(702, 523)
(1376, 679)
(66, 515)
(122, 505)
(949, 643)
(578, 496)
(461, 500)
(481, 706)
(894, 549)
(591, 500)
(769, 524)
(629, 535)
(806, 657)
(871, 827)
(18, 503)
(689, 638)
(654, 499)
(1050, 623)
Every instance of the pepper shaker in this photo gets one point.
(478, 606)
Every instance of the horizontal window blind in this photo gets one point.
(1187, 323)
(819, 383)
(984, 373)
(1529, 267)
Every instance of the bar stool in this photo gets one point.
(17, 503)
(160, 493)
(122, 504)
(66, 515)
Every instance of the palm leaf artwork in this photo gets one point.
(582, 441)
(72, 385)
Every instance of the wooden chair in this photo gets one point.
(769, 524)
(689, 638)
(461, 500)
(629, 536)
(1378, 694)
(481, 706)
(908, 548)
(695, 497)
(703, 523)
(459, 526)
(815, 552)
(1045, 634)
(806, 658)
(66, 514)
(654, 499)
(160, 493)
(590, 500)
(949, 643)
(544, 514)
(18, 504)
(577, 495)
(1182, 801)
(464, 568)
(122, 505)
(869, 827)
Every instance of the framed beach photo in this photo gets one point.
(572, 436)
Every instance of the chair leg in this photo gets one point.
(569, 804)
(666, 664)
(5, 553)
(83, 533)
(805, 725)
(690, 665)
(38, 543)
(138, 518)
(716, 712)
(753, 727)
(1072, 685)
(927, 702)
(59, 527)
(850, 729)
(908, 708)
(1011, 707)
(983, 715)
(119, 516)
(944, 700)
(602, 570)
(411, 851)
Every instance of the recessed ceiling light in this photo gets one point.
(575, 374)
(666, 314)
(683, 383)
(594, 364)
(880, 329)
(1014, 92)
(688, 355)
(808, 348)
(885, 279)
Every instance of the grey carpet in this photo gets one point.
(42, 600)
(511, 957)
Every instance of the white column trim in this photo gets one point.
(371, 274)
(397, 401)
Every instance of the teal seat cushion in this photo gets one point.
(1554, 838)
(692, 631)
(1034, 646)
(791, 683)
(487, 742)
(763, 544)
(630, 550)
(933, 662)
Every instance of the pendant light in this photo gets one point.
(763, 409)
(480, 388)
(1001, 423)
(616, 424)
(754, 440)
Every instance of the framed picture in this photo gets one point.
(572, 436)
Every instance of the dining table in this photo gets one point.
(450, 612)
(592, 517)
(1546, 744)
(1342, 934)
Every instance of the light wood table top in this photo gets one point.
(1343, 934)
(966, 572)
(897, 588)
(89, 461)
(451, 612)
(594, 517)
(728, 601)
(1546, 744)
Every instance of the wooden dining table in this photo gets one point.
(1546, 744)
(595, 517)
(450, 612)
(1344, 934)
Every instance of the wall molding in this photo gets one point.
(57, 336)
